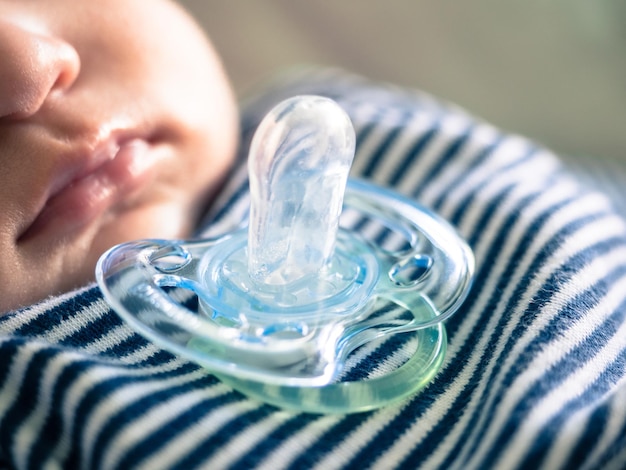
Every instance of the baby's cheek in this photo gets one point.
(160, 219)
(207, 165)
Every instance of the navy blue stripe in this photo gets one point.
(489, 402)
(28, 397)
(387, 436)
(333, 437)
(89, 333)
(398, 425)
(414, 153)
(138, 408)
(91, 399)
(362, 134)
(376, 357)
(497, 245)
(477, 161)
(180, 424)
(206, 448)
(474, 197)
(59, 314)
(564, 368)
(590, 436)
(223, 212)
(387, 235)
(54, 425)
(74, 371)
(273, 440)
(381, 151)
(529, 313)
(9, 351)
(572, 311)
(92, 331)
(610, 376)
(276, 438)
(9, 348)
(451, 150)
(615, 449)
(132, 344)
(493, 256)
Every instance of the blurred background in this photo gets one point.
(554, 70)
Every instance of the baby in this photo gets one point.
(116, 123)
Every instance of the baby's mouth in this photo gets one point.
(82, 199)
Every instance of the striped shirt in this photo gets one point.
(535, 372)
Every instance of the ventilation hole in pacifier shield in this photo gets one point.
(170, 258)
(181, 291)
(410, 271)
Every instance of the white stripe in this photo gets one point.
(564, 443)
(412, 131)
(494, 227)
(187, 441)
(13, 382)
(451, 127)
(370, 143)
(16, 321)
(394, 361)
(577, 423)
(298, 443)
(478, 140)
(426, 423)
(30, 429)
(575, 384)
(360, 438)
(124, 396)
(236, 211)
(527, 178)
(564, 215)
(613, 428)
(154, 419)
(615, 461)
(76, 322)
(75, 392)
(390, 362)
(241, 443)
(580, 281)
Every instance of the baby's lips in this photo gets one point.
(82, 201)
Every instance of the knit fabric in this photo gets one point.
(534, 375)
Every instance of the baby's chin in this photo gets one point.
(43, 269)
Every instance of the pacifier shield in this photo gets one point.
(331, 300)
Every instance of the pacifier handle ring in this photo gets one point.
(357, 396)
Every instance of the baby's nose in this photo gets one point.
(33, 66)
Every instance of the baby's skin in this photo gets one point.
(117, 122)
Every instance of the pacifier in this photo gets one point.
(331, 300)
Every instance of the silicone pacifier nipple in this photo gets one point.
(298, 166)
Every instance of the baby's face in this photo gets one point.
(116, 123)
